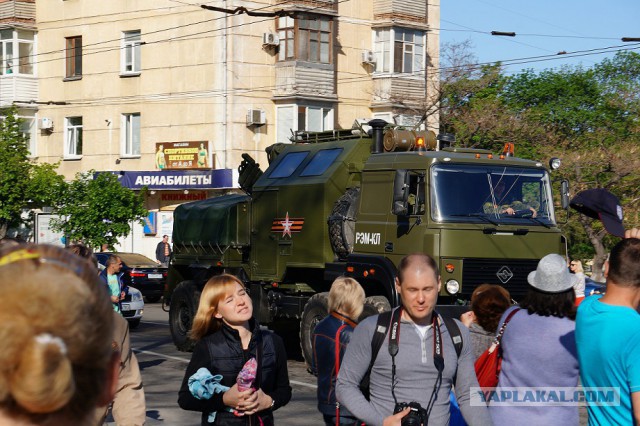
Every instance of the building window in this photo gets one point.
(27, 128)
(16, 52)
(404, 55)
(73, 57)
(311, 118)
(131, 41)
(306, 39)
(315, 119)
(130, 135)
(73, 137)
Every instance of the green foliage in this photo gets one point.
(98, 209)
(587, 117)
(14, 170)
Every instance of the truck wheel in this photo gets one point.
(342, 223)
(374, 305)
(316, 309)
(184, 304)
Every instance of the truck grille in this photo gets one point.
(509, 273)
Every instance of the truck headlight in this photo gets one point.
(452, 287)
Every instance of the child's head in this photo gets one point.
(347, 297)
(218, 300)
(56, 357)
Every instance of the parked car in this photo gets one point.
(140, 272)
(132, 307)
(593, 287)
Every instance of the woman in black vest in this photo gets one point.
(227, 337)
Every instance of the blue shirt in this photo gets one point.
(608, 340)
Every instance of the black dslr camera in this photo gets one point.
(416, 417)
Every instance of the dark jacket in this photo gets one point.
(160, 253)
(222, 353)
(324, 355)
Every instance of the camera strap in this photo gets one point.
(394, 342)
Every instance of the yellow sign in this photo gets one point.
(183, 155)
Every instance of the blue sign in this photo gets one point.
(177, 179)
(151, 224)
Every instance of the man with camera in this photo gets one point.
(416, 365)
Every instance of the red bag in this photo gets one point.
(488, 365)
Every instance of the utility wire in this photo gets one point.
(252, 91)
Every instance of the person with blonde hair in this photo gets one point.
(346, 302)
(129, 405)
(57, 364)
(227, 336)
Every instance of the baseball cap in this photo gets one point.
(603, 205)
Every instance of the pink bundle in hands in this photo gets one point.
(246, 377)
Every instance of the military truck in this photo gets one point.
(354, 202)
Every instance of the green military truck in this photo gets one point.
(351, 202)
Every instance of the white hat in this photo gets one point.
(552, 275)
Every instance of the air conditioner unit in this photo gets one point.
(256, 117)
(46, 124)
(270, 39)
(368, 57)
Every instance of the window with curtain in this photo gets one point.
(131, 42)
(399, 50)
(131, 135)
(73, 137)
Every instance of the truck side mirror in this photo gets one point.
(400, 205)
(564, 194)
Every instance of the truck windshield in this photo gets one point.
(493, 195)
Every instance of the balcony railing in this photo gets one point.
(17, 88)
(13, 11)
(318, 5)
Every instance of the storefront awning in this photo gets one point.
(177, 179)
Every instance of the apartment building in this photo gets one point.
(170, 94)
(18, 77)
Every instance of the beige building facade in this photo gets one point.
(117, 79)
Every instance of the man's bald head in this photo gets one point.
(417, 261)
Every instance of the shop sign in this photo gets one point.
(182, 155)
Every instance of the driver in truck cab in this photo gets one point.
(501, 201)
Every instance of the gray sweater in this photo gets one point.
(415, 375)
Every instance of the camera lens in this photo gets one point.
(411, 419)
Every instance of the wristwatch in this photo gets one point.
(273, 402)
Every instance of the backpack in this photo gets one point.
(380, 333)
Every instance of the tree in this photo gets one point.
(97, 210)
(14, 171)
(588, 117)
(23, 184)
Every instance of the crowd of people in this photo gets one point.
(62, 363)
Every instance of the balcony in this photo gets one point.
(304, 80)
(396, 90)
(18, 11)
(316, 6)
(17, 88)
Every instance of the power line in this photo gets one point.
(198, 94)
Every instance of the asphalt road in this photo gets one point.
(163, 367)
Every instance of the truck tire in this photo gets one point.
(316, 309)
(184, 304)
(342, 223)
(374, 305)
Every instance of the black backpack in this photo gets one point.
(384, 319)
